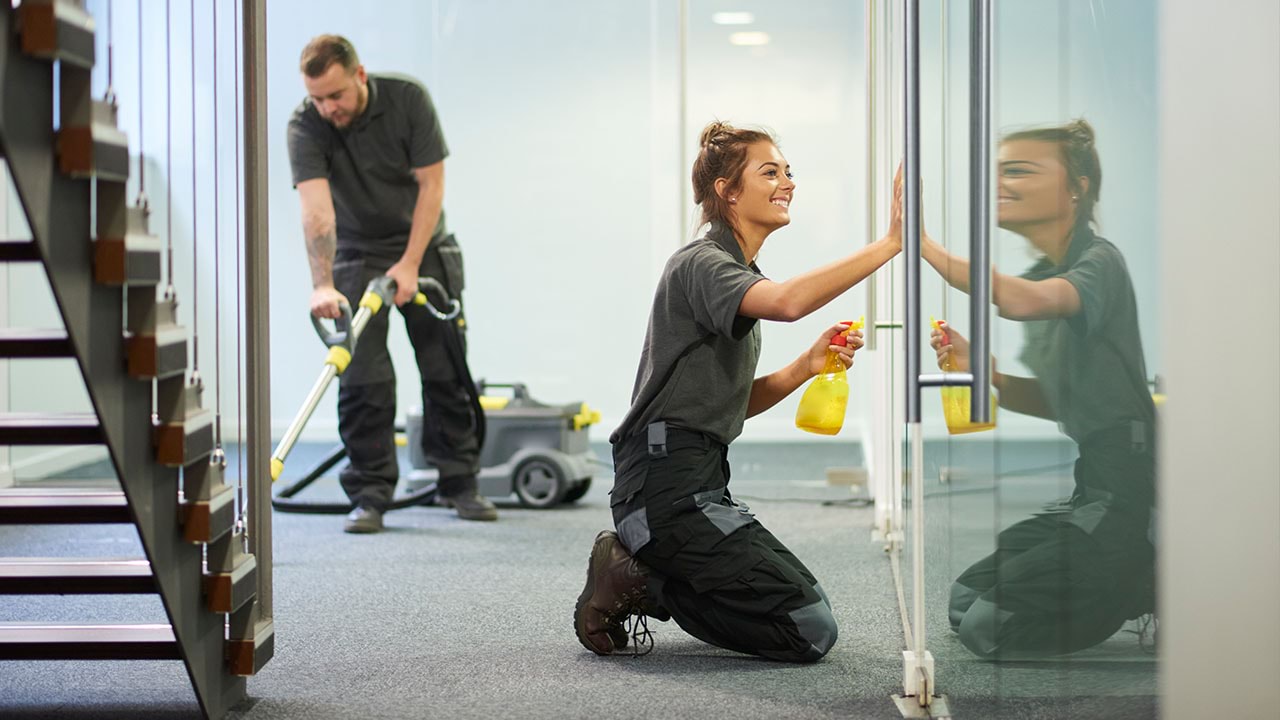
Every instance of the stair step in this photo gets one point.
(127, 261)
(75, 576)
(206, 520)
(159, 355)
(68, 641)
(94, 146)
(57, 30)
(62, 507)
(19, 251)
(125, 253)
(50, 429)
(226, 592)
(31, 343)
(183, 443)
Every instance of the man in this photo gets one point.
(367, 155)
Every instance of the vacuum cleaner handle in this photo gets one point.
(341, 333)
(429, 283)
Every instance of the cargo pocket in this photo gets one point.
(726, 518)
(630, 515)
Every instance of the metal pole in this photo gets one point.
(911, 205)
(257, 441)
(911, 323)
(917, 540)
(944, 180)
(869, 41)
(980, 230)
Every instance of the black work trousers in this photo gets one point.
(713, 567)
(1064, 581)
(367, 390)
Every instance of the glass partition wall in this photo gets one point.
(1032, 539)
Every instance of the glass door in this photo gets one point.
(1024, 550)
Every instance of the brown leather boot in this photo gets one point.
(615, 589)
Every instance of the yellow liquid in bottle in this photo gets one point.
(955, 405)
(824, 402)
(955, 408)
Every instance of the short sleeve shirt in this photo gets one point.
(1090, 366)
(700, 355)
(370, 163)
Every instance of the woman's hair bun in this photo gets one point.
(712, 132)
(1081, 131)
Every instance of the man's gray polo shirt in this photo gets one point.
(370, 163)
(700, 355)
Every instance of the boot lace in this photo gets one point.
(637, 626)
(629, 614)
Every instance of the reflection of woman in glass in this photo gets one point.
(1064, 580)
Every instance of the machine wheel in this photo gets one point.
(540, 483)
(577, 491)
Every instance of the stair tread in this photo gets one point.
(79, 565)
(35, 343)
(43, 507)
(66, 428)
(84, 641)
(18, 250)
(32, 497)
(60, 576)
(84, 632)
(37, 419)
(32, 334)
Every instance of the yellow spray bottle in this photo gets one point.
(823, 404)
(956, 400)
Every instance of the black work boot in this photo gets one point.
(615, 588)
(460, 493)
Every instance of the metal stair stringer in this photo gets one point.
(57, 209)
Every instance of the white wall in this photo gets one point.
(1220, 502)
(564, 179)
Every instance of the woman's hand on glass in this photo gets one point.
(895, 210)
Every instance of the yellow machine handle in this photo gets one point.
(585, 417)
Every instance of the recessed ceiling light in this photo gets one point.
(733, 18)
(749, 38)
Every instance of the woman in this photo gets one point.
(684, 548)
(1065, 580)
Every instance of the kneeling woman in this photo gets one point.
(684, 549)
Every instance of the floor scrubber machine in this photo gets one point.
(537, 452)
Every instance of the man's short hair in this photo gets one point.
(325, 50)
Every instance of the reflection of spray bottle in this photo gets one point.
(824, 402)
(956, 400)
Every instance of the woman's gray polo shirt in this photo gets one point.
(1090, 366)
(700, 355)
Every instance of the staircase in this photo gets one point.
(194, 558)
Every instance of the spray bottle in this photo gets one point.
(823, 404)
(956, 400)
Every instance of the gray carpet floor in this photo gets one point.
(438, 617)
